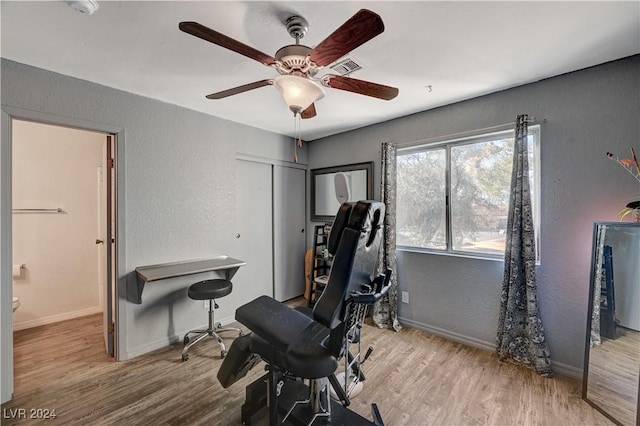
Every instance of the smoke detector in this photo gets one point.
(83, 6)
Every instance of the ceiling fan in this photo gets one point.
(299, 64)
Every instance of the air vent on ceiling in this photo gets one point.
(346, 67)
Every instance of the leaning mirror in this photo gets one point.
(332, 186)
(612, 355)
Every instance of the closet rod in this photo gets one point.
(58, 210)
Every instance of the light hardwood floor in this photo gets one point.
(415, 378)
(614, 368)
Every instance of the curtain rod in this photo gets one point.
(498, 127)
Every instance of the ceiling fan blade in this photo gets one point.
(310, 112)
(360, 28)
(222, 40)
(362, 87)
(240, 89)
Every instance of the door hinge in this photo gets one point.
(110, 163)
(111, 328)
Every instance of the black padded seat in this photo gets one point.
(305, 310)
(295, 341)
(210, 289)
(310, 358)
(307, 358)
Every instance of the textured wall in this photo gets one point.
(179, 187)
(586, 113)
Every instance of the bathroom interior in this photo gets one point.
(59, 223)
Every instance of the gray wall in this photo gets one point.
(586, 114)
(178, 189)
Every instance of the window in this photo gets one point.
(453, 196)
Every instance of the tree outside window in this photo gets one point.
(454, 196)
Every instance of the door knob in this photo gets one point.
(99, 241)
(237, 236)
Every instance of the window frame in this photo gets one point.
(447, 143)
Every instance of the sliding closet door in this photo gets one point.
(288, 232)
(254, 231)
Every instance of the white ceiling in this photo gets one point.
(458, 49)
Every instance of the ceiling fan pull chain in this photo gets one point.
(299, 118)
(296, 136)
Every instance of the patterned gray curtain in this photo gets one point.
(385, 312)
(520, 332)
(597, 287)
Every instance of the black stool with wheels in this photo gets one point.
(209, 290)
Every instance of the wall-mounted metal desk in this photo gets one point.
(165, 271)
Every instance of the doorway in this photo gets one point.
(63, 227)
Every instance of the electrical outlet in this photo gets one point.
(405, 297)
(206, 304)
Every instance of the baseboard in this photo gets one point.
(566, 370)
(23, 325)
(557, 367)
(169, 340)
(450, 335)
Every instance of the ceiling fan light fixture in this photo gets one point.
(298, 92)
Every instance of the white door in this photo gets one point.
(288, 232)
(254, 231)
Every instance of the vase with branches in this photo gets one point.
(632, 166)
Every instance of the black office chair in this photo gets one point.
(208, 290)
(300, 345)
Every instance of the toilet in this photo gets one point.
(16, 303)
